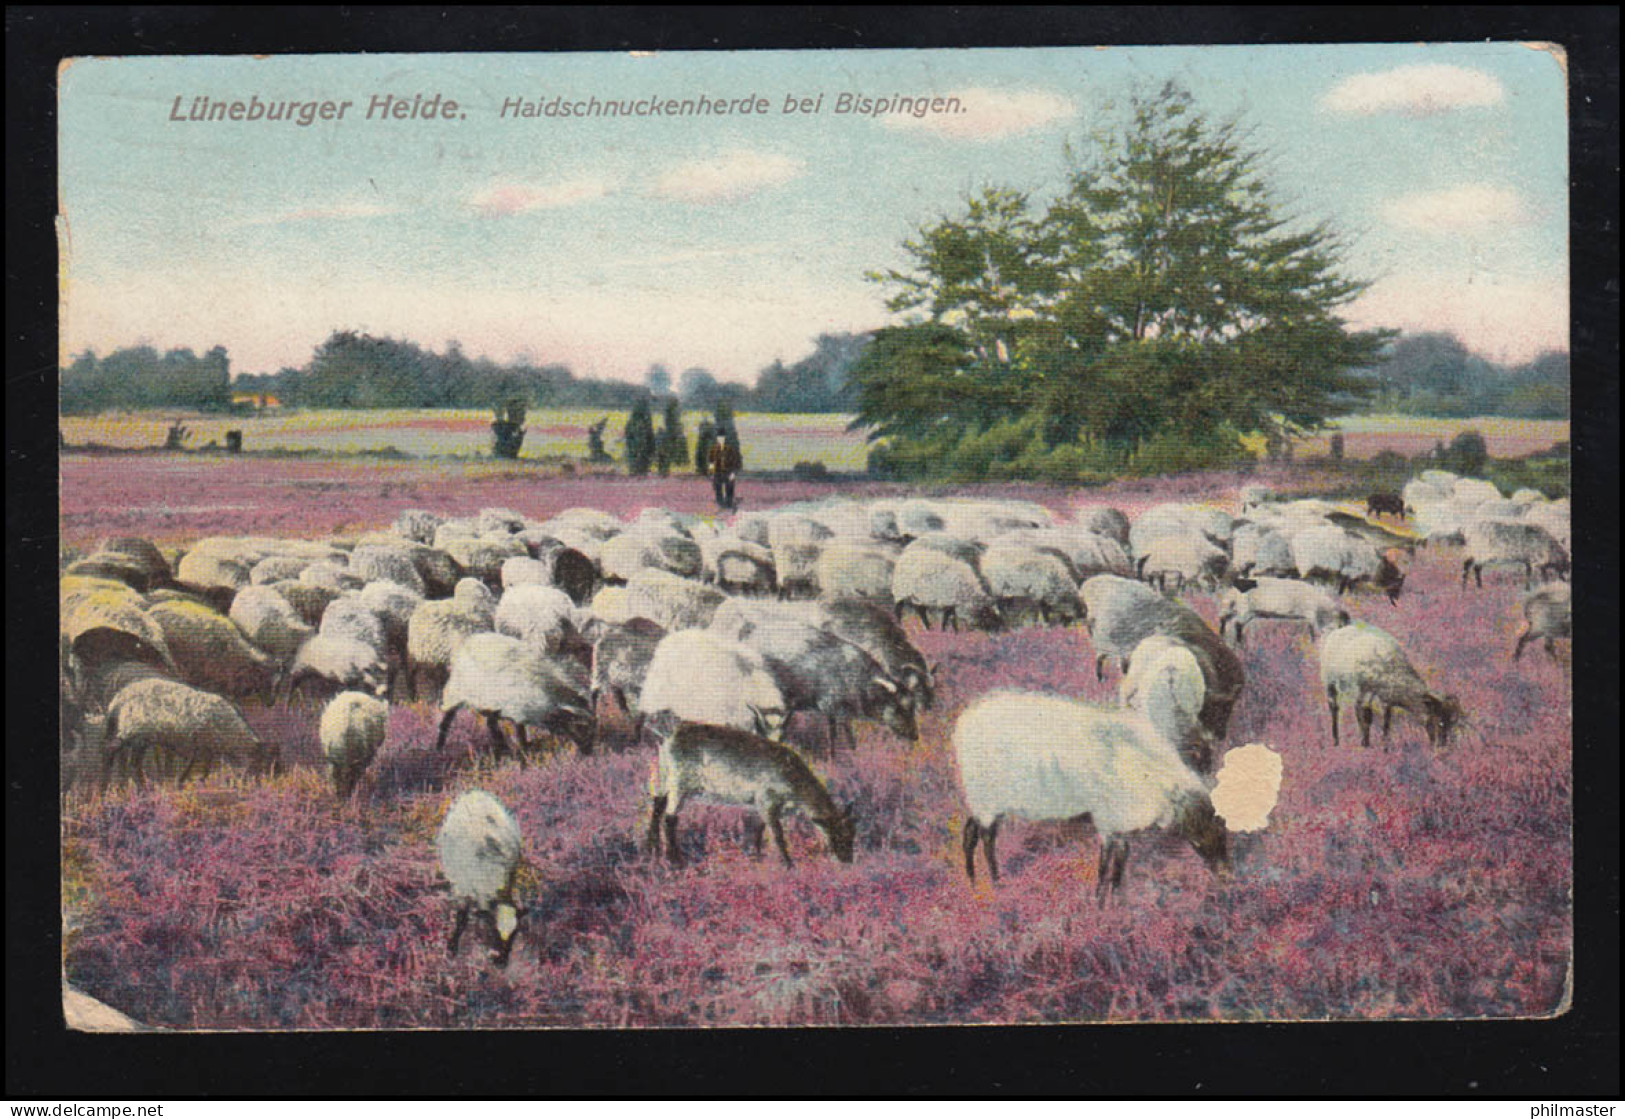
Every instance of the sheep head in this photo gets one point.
(841, 831)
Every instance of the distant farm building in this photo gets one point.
(255, 400)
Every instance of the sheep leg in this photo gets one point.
(1387, 718)
(968, 839)
(409, 670)
(755, 835)
(1466, 569)
(524, 743)
(651, 843)
(1100, 667)
(834, 733)
(186, 772)
(1363, 711)
(457, 928)
(1331, 702)
(989, 834)
(1120, 863)
(499, 744)
(898, 608)
(1524, 638)
(775, 821)
(950, 614)
(672, 851)
(445, 726)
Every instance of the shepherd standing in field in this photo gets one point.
(725, 461)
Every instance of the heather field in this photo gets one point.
(1391, 883)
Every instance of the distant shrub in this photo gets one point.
(1468, 454)
(810, 472)
(1216, 449)
(878, 463)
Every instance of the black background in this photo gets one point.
(1573, 1056)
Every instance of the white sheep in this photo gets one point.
(1367, 663)
(1286, 599)
(351, 731)
(1180, 558)
(672, 601)
(481, 557)
(1500, 543)
(850, 569)
(439, 626)
(739, 566)
(309, 602)
(541, 616)
(699, 677)
(928, 578)
(1253, 497)
(1259, 549)
(158, 714)
(418, 524)
(1331, 553)
(1164, 683)
(480, 854)
(1548, 616)
(1024, 577)
(621, 655)
(391, 563)
(1045, 758)
(647, 547)
(212, 652)
(1106, 521)
(330, 663)
(269, 621)
(500, 678)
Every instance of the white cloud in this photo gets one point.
(1503, 320)
(989, 114)
(727, 178)
(1415, 91)
(1460, 208)
(501, 200)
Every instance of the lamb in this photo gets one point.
(620, 663)
(1498, 543)
(439, 626)
(1286, 599)
(333, 664)
(699, 677)
(212, 653)
(269, 621)
(737, 767)
(186, 722)
(1164, 683)
(1547, 616)
(856, 570)
(1046, 758)
(1364, 661)
(818, 671)
(480, 854)
(351, 731)
(500, 677)
(1024, 577)
(928, 578)
(672, 601)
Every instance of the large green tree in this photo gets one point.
(1163, 293)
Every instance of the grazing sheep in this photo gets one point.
(820, 672)
(501, 677)
(1495, 543)
(1553, 516)
(206, 571)
(418, 524)
(481, 557)
(1086, 554)
(1547, 616)
(212, 653)
(856, 570)
(156, 570)
(916, 518)
(480, 853)
(1286, 599)
(118, 567)
(1332, 553)
(1379, 503)
(1022, 577)
(571, 571)
(754, 528)
(379, 562)
(648, 547)
(494, 522)
(1364, 661)
(612, 605)
(699, 677)
(620, 662)
(104, 622)
(274, 569)
(929, 578)
(352, 731)
(1164, 683)
(1261, 550)
(269, 621)
(309, 602)
(738, 566)
(331, 664)
(330, 577)
(672, 601)
(520, 571)
(1046, 758)
(797, 541)
(542, 617)
(1106, 521)
(439, 626)
(877, 633)
(1182, 558)
(186, 722)
(736, 767)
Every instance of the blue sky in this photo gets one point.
(728, 241)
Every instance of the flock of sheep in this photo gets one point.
(717, 637)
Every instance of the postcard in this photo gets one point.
(815, 538)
